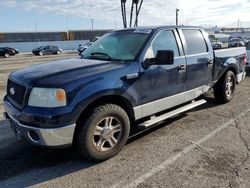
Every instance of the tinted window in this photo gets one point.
(248, 46)
(195, 42)
(165, 40)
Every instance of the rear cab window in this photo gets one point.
(195, 42)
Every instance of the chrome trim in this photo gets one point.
(175, 112)
(53, 137)
(168, 102)
(131, 76)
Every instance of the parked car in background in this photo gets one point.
(216, 44)
(7, 52)
(47, 50)
(235, 42)
(248, 53)
(81, 48)
(13, 49)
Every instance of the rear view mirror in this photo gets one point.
(163, 57)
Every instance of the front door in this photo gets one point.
(163, 86)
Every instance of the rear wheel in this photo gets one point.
(41, 53)
(6, 55)
(225, 87)
(103, 133)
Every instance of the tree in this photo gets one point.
(137, 4)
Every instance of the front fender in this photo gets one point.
(111, 87)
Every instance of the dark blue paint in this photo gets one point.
(87, 80)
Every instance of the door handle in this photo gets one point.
(210, 61)
(182, 67)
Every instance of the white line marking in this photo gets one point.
(174, 158)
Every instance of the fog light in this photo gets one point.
(33, 136)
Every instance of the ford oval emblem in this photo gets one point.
(12, 91)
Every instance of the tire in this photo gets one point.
(41, 53)
(225, 87)
(58, 52)
(103, 134)
(6, 55)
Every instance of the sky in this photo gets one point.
(61, 15)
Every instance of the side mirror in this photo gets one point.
(163, 57)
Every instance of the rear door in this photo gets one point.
(163, 86)
(199, 57)
(49, 50)
(54, 49)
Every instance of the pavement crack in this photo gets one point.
(244, 141)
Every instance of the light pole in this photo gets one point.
(92, 24)
(176, 11)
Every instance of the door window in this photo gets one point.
(195, 42)
(165, 40)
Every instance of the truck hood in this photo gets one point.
(63, 71)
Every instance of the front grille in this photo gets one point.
(18, 97)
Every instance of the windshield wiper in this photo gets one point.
(101, 53)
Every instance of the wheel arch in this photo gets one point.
(230, 68)
(119, 100)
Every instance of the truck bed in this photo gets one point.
(228, 57)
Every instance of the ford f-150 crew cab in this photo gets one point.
(129, 78)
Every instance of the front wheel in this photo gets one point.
(225, 87)
(58, 52)
(6, 55)
(104, 133)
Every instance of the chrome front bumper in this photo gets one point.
(54, 137)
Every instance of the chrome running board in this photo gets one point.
(173, 113)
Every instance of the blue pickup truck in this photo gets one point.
(129, 79)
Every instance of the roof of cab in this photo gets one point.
(158, 27)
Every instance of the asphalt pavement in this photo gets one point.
(208, 146)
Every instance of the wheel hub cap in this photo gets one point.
(229, 86)
(107, 133)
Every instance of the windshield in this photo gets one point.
(116, 46)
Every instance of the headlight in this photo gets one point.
(47, 97)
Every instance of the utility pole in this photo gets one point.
(92, 24)
(238, 28)
(35, 25)
(176, 12)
